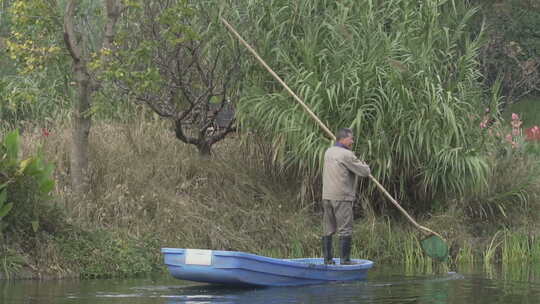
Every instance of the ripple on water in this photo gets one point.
(384, 285)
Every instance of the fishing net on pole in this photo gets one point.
(435, 247)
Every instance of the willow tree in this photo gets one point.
(403, 74)
(174, 58)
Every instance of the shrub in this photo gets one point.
(512, 49)
(402, 74)
(26, 185)
(512, 190)
(106, 254)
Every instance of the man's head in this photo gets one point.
(345, 137)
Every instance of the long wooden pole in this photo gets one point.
(323, 126)
(306, 108)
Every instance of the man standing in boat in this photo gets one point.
(340, 168)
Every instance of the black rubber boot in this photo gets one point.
(327, 250)
(345, 246)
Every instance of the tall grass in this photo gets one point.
(490, 254)
(516, 247)
(402, 74)
(466, 255)
(25, 99)
(149, 191)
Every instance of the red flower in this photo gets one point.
(45, 132)
(533, 134)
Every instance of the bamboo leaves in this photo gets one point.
(405, 80)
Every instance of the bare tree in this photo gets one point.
(196, 72)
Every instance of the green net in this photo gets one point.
(435, 247)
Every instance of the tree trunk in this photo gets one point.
(81, 119)
(204, 148)
(81, 123)
(81, 104)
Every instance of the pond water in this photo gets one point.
(385, 284)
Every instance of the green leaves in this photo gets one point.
(25, 184)
(4, 210)
(405, 79)
(35, 83)
(11, 146)
(5, 207)
(38, 169)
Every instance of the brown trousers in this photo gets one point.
(338, 217)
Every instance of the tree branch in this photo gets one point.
(73, 47)
(113, 9)
(179, 131)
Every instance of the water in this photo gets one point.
(385, 284)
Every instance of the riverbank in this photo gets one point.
(149, 191)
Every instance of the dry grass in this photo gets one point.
(144, 181)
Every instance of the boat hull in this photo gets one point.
(239, 268)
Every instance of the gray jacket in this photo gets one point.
(340, 168)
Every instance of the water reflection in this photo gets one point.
(384, 285)
(308, 294)
(396, 290)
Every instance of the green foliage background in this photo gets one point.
(403, 74)
(511, 51)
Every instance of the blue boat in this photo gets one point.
(240, 268)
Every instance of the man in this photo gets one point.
(340, 168)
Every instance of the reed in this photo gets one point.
(391, 81)
(413, 254)
(535, 249)
(491, 250)
(519, 272)
(465, 254)
(516, 248)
